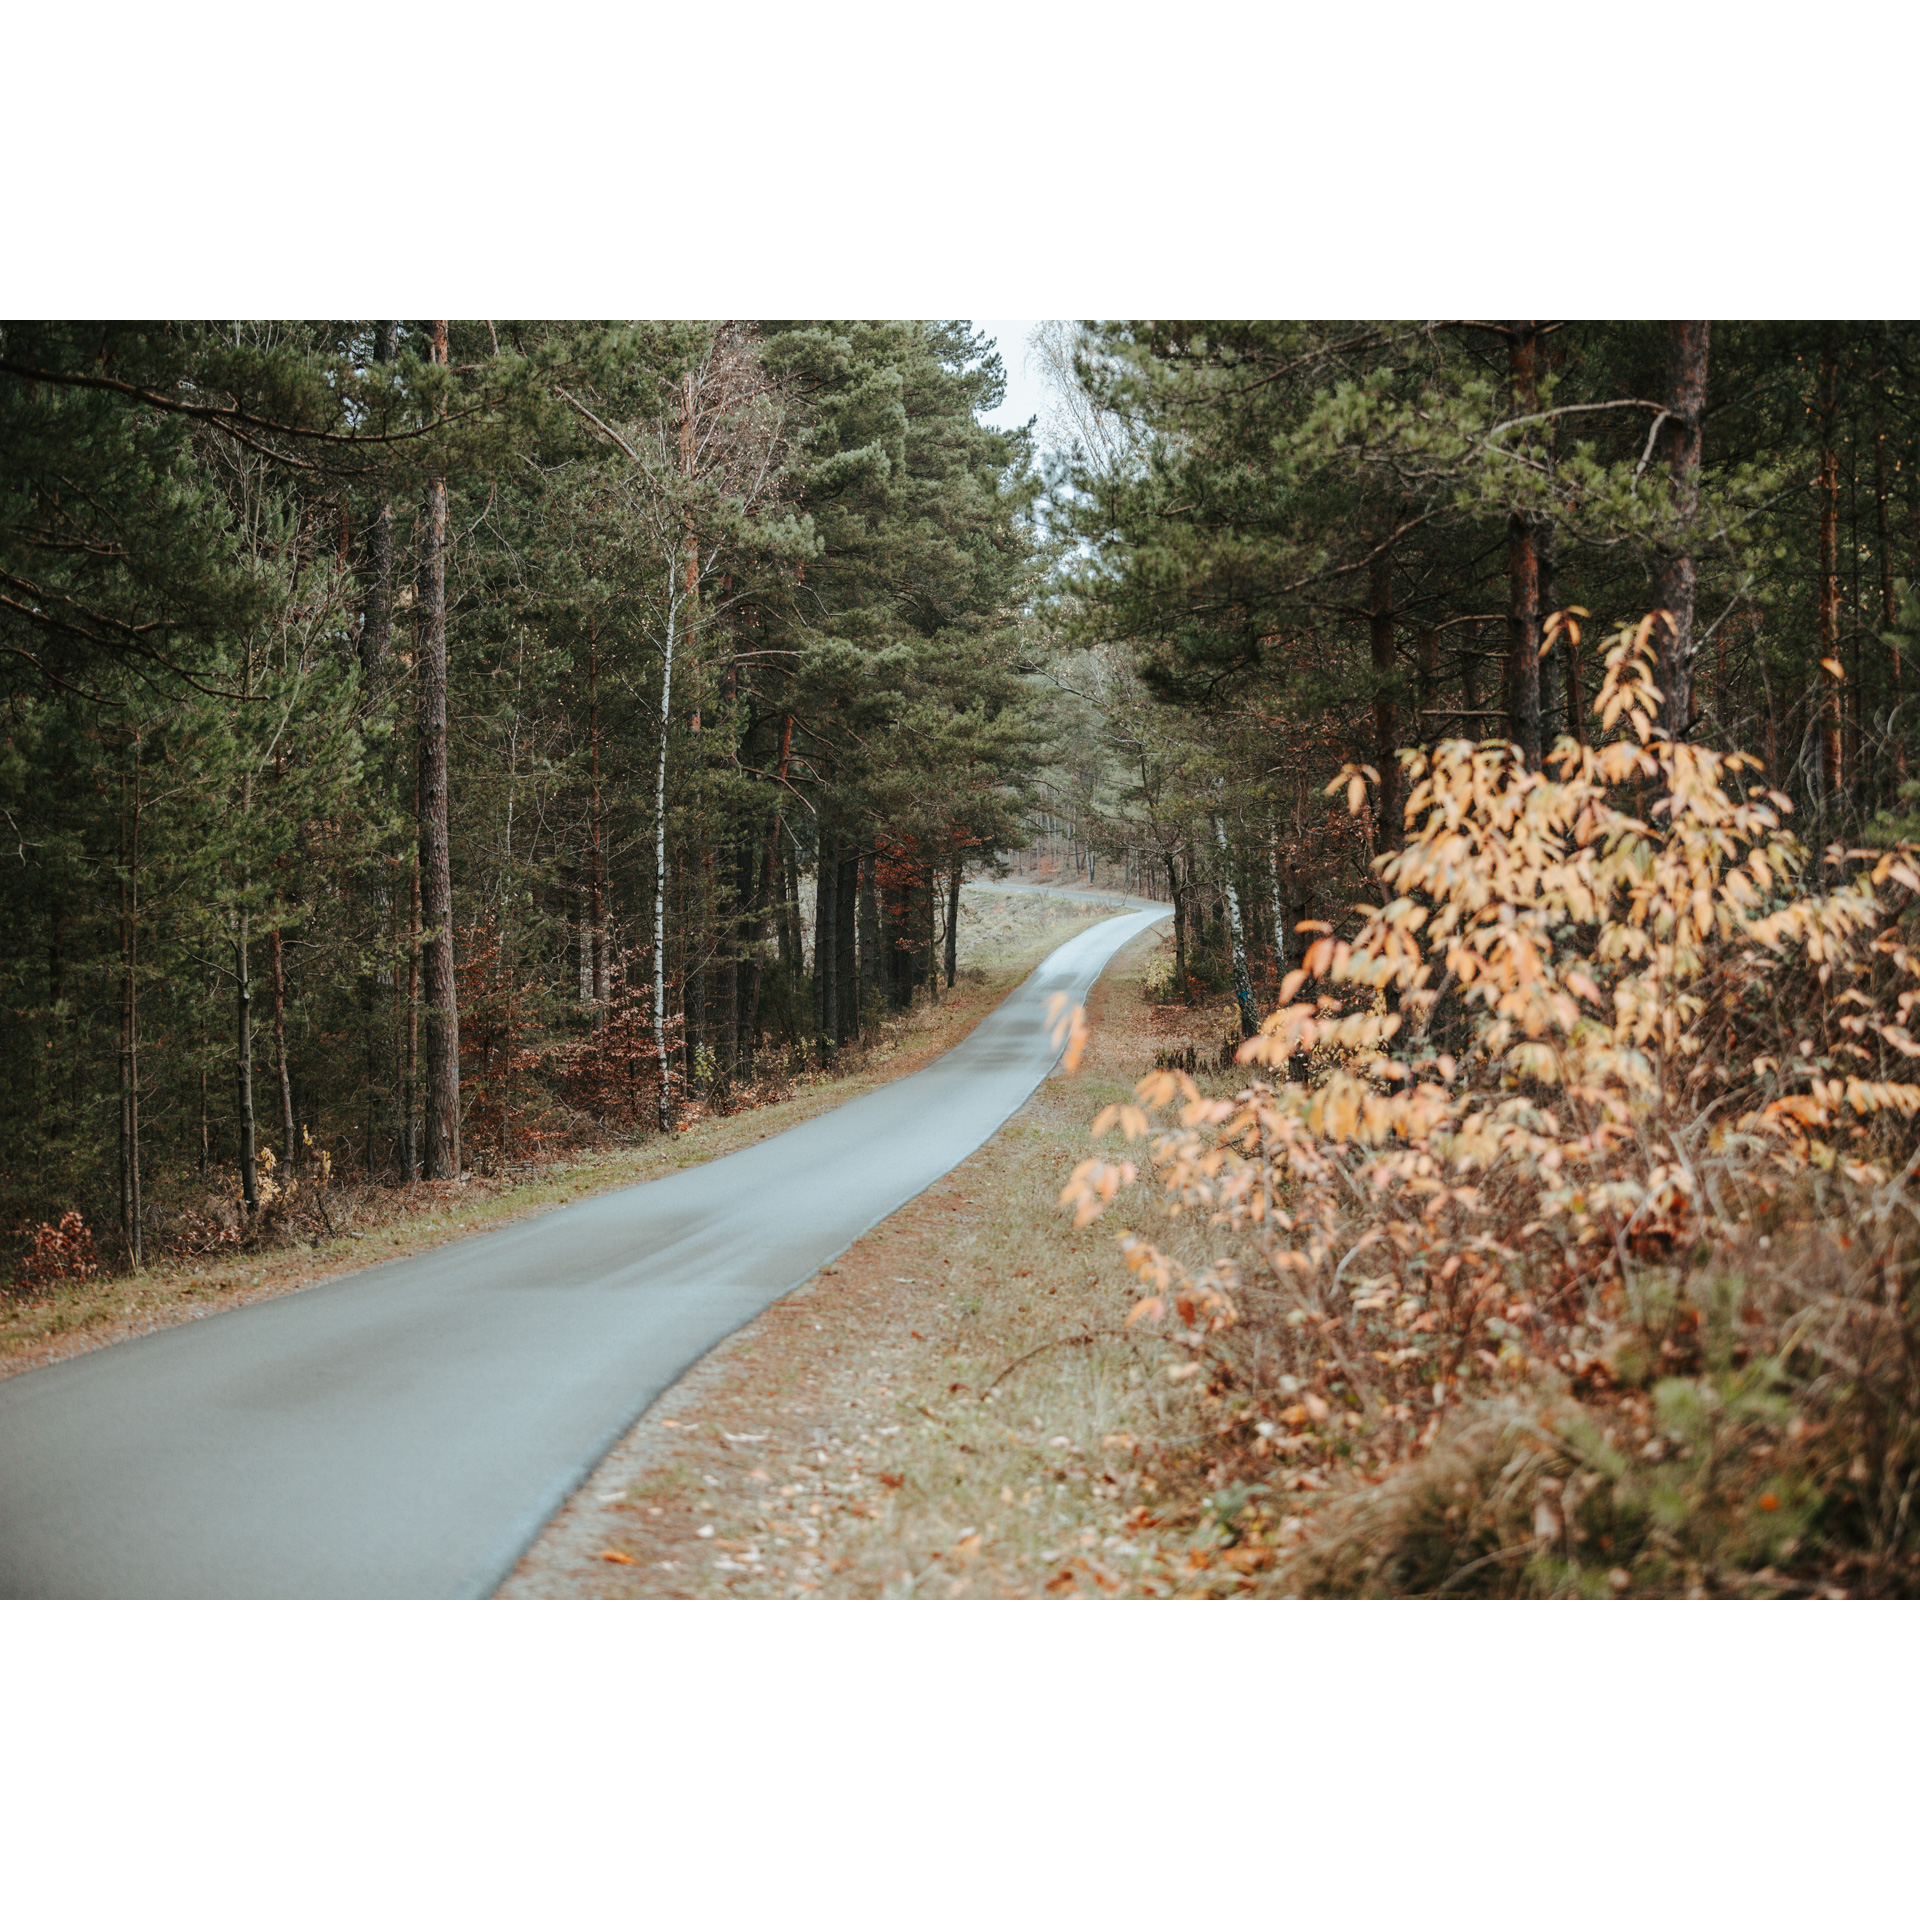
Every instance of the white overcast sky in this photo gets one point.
(1025, 396)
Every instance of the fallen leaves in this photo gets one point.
(1066, 1578)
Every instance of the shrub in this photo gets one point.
(58, 1255)
(1671, 1032)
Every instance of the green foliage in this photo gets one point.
(208, 537)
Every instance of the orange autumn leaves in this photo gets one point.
(1633, 965)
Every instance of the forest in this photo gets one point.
(433, 745)
(421, 735)
(1299, 547)
(1531, 698)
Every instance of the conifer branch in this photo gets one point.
(229, 420)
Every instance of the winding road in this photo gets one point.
(407, 1431)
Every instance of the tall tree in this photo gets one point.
(442, 1158)
(1680, 432)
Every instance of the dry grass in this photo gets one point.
(1749, 1427)
(1000, 941)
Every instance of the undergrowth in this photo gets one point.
(1562, 1243)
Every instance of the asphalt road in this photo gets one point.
(406, 1432)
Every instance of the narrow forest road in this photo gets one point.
(407, 1431)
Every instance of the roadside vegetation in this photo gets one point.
(66, 1303)
(1553, 1238)
(1562, 1243)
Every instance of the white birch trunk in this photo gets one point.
(1279, 914)
(1242, 978)
(660, 857)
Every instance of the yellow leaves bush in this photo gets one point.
(1067, 1027)
(1607, 1002)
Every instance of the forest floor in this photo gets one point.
(1002, 937)
(947, 1410)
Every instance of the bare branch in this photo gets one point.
(587, 413)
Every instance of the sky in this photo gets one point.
(1025, 395)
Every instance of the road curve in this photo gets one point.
(407, 1431)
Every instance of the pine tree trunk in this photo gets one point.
(1851, 693)
(773, 896)
(56, 1016)
(846, 902)
(1889, 600)
(130, 1021)
(929, 952)
(1686, 401)
(280, 1044)
(748, 1044)
(436, 870)
(1523, 570)
(689, 976)
(410, 1089)
(789, 918)
(660, 860)
(1177, 893)
(869, 928)
(1427, 730)
(1523, 636)
(826, 933)
(696, 924)
(368, 1009)
(596, 865)
(896, 907)
(206, 1045)
(1827, 675)
(243, 1068)
(1386, 706)
(1552, 693)
(1552, 718)
(953, 920)
(737, 901)
(376, 617)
